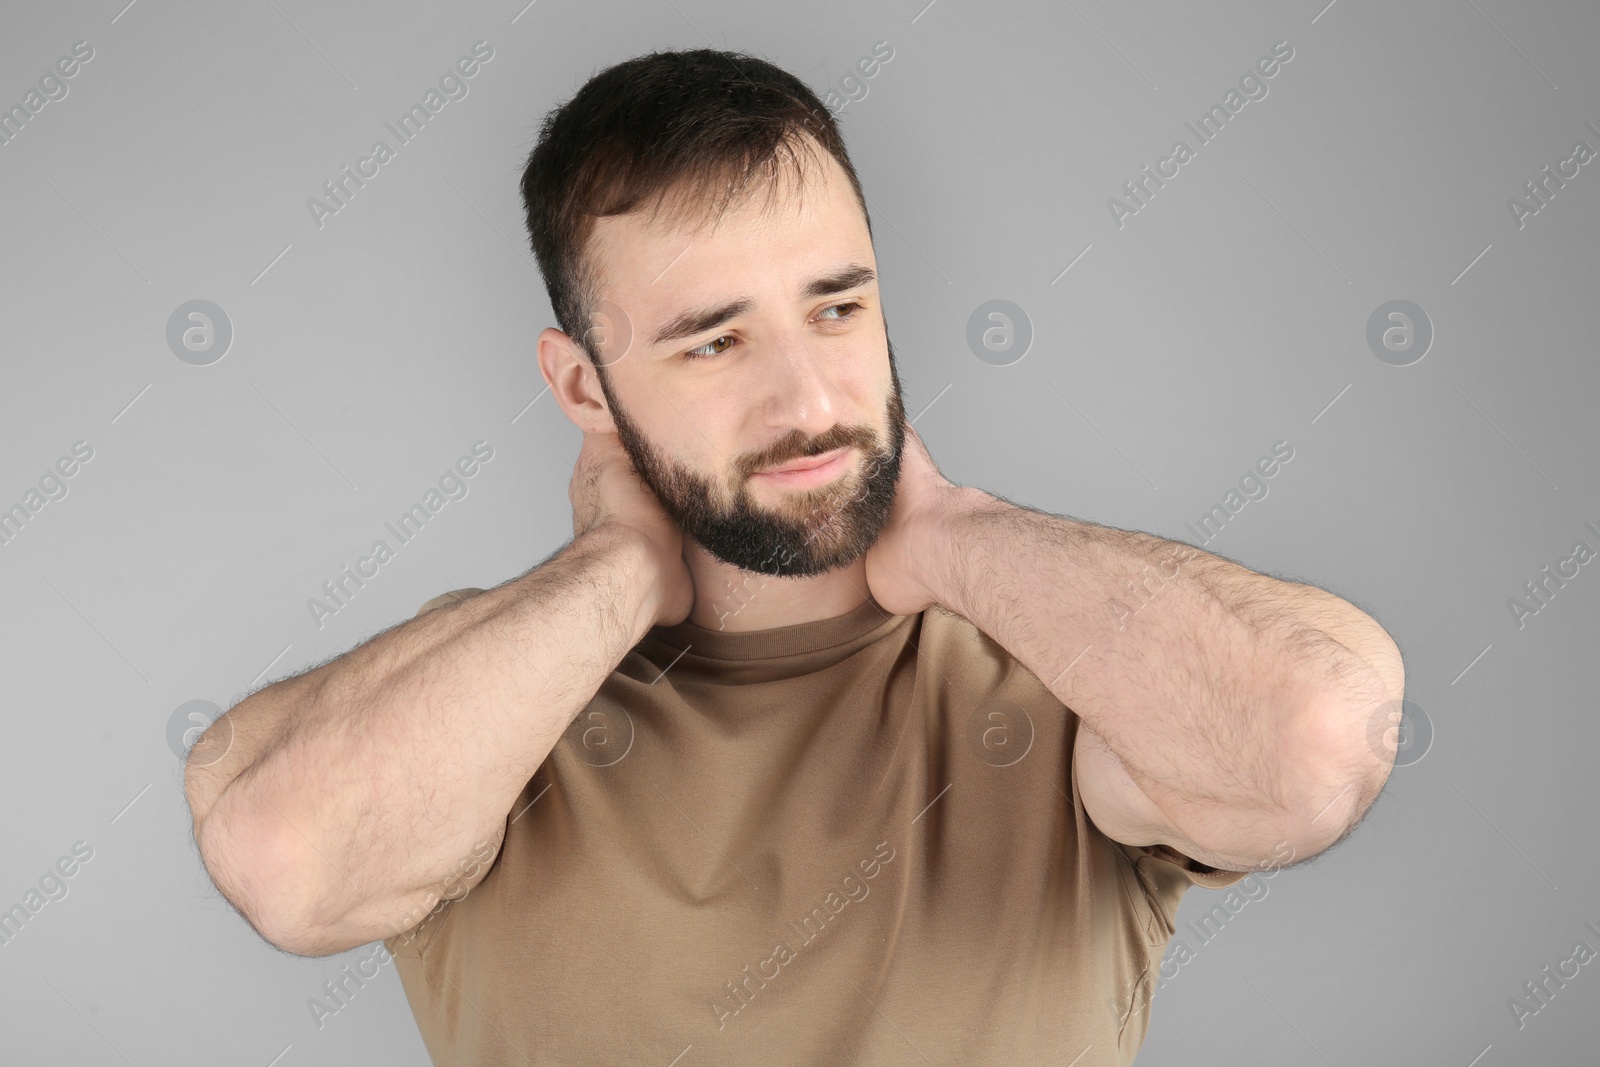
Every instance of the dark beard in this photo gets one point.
(815, 531)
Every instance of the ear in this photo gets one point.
(574, 382)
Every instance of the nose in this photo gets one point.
(803, 389)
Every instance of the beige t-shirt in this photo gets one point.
(852, 841)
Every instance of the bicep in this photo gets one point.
(394, 916)
(1124, 812)
(1111, 798)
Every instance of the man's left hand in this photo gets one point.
(909, 561)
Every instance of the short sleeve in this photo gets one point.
(1163, 874)
(413, 941)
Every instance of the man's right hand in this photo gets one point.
(607, 489)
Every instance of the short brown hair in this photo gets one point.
(675, 131)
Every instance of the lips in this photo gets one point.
(809, 463)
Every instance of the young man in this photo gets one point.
(796, 752)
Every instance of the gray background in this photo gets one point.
(1230, 313)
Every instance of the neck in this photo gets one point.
(732, 600)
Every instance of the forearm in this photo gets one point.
(381, 770)
(1220, 690)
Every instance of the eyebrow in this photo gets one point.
(698, 320)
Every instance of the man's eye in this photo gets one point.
(711, 345)
(715, 346)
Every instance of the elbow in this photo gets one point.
(261, 872)
(1339, 764)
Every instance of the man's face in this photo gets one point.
(735, 349)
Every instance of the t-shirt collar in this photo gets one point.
(776, 641)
